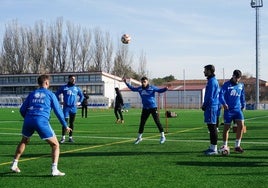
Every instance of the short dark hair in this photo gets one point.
(237, 73)
(116, 89)
(42, 78)
(210, 67)
(144, 78)
(70, 76)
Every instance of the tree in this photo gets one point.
(98, 49)
(122, 62)
(160, 81)
(84, 54)
(142, 65)
(56, 57)
(107, 52)
(36, 47)
(14, 49)
(74, 35)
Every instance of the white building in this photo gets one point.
(99, 85)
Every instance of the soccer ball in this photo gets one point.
(224, 151)
(125, 39)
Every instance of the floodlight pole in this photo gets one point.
(257, 4)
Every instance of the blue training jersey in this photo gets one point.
(40, 103)
(147, 94)
(233, 95)
(212, 92)
(70, 95)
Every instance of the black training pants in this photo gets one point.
(144, 116)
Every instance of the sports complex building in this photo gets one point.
(183, 94)
(100, 87)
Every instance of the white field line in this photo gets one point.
(144, 138)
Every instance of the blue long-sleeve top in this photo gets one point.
(212, 92)
(233, 94)
(40, 103)
(70, 93)
(147, 94)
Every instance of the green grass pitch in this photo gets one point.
(104, 155)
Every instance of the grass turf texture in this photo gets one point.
(104, 155)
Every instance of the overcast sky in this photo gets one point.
(177, 36)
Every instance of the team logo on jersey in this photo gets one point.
(234, 93)
(39, 95)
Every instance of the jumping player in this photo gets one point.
(147, 93)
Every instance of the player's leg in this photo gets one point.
(46, 133)
(19, 151)
(211, 120)
(55, 152)
(121, 115)
(239, 117)
(213, 134)
(155, 115)
(116, 115)
(144, 116)
(27, 132)
(66, 115)
(83, 109)
(72, 118)
(228, 118)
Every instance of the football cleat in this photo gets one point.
(210, 152)
(238, 150)
(162, 140)
(62, 140)
(71, 140)
(15, 169)
(57, 173)
(138, 140)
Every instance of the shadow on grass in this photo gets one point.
(20, 175)
(123, 153)
(222, 164)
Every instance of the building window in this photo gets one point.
(83, 78)
(96, 90)
(3, 81)
(13, 80)
(58, 79)
(33, 79)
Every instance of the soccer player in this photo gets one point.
(147, 93)
(232, 98)
(36, 113)
(70, 102)
(118, 104)
(84, 104)
(211, 108)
